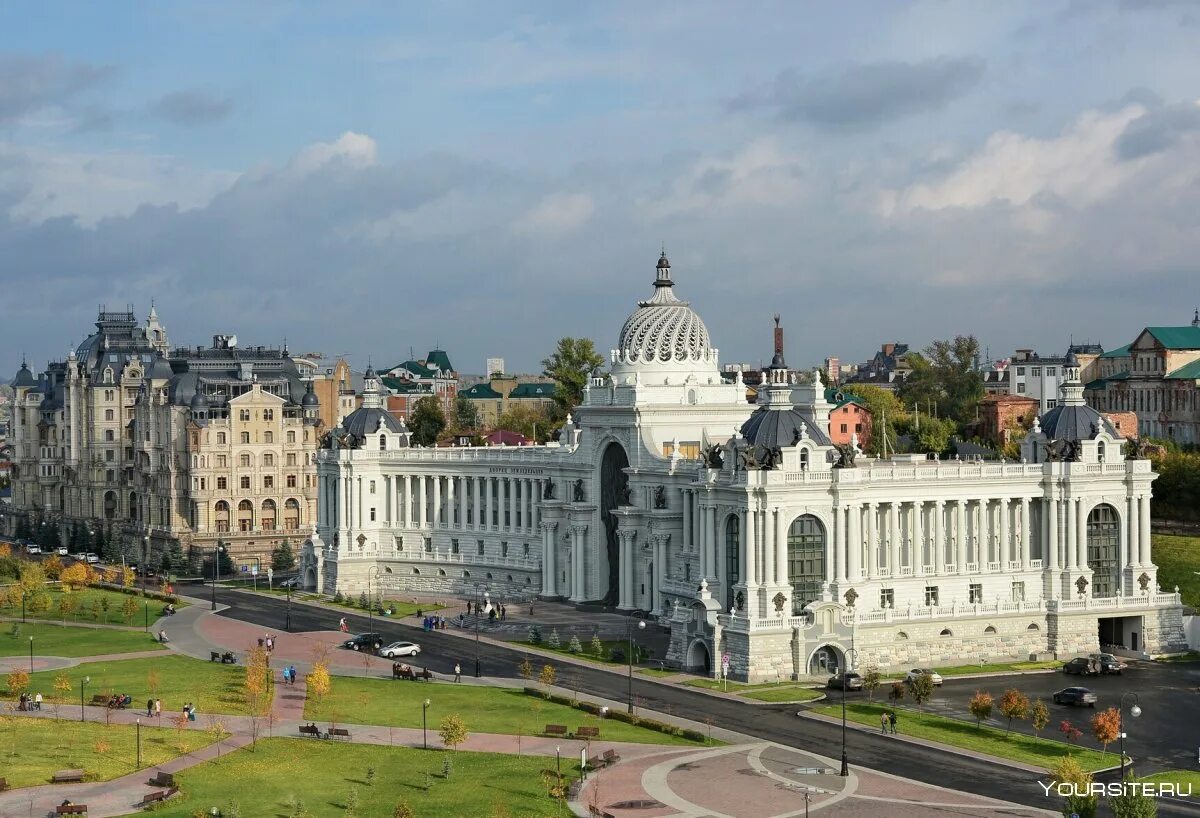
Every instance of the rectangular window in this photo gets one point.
(503, 549)
(291, 481)
(479, 547)
(1020, 370)
(887, 598)
(1051, 370)
(244, 482)
(453, 546)
(1018, 592)
(222, 461)
(931, 596)
(268, 482)
(858, 428)
(291, 437)
(222, 484)
(244, 460)
(203, 483)
(372, 514)
(525, 549)
(221, 438)
(108, 414)
(1050, 404)
(428, 545)
(108, 455)
(291, 458)
(245, 437)
(372, 486)
(843, 428)
(244, 414)
(268, 414)
(268, 459)
(1036, 371)
(1020, 388)
(975, 593)
(268, 437)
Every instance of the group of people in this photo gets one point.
(494, 612)
(119, 701)
(169, 609)
(289, 675)
(434, 623)
(268, 641)
(189, 710)
(887, 722)
(30, 702)
(154, 707)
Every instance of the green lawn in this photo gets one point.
(485, 709)
(607, 646)
(1190, 656)
(1180, 777)
(659, 672)
(1177, 559)
(292, 777)
(782, 694)
(988, 740)
(997, 667)
(211, 686)
(32, 750)
(65, 640)
(147, 609)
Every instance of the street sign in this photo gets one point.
(254, 570)
(270, 573)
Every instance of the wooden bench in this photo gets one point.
(587, 732)
(162, 779)
(610, 757)
(100, 698)
(71, 809)
(310, 730)
(339, 733)
(3, 784)
(66, 776)
(555, 730)
(226, 658)
(156, 796)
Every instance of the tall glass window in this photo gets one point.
(733, 556)
(1103, 546)
(806, 560)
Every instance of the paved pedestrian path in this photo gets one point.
(9, 663)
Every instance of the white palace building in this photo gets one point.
(746, 532)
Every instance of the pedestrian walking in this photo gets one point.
(892, 721)
(468, 608)
(149, 707)
(342, 626)
(503, 613)
(37, 702)
(158, 708)
(883, 722)
(191, 712)
(457, 672)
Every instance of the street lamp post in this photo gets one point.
(852, 657)
(558, 760)
(82, 684)
(478, 588)
(216, 571)
(629, 637)
(1134, 711)
(31, 656)
(424, 726)
(287, 622)
(139, 743)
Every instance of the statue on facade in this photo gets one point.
(625, 495)
(578, 490)
(748, 458)
(846, 455)
(771, 458)
(1061, 451)
(660, 497)
(548, 491)
(712, 457)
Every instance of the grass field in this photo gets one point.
(585, 654)
(32, 750)
(1178, 558)
(997, 667)
(90, 608)
(289, 777)
(1183, 778)
(484, 709)
(65, 640)
(212, 687)
(782, 694)
(988, 740)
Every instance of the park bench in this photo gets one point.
(66, 776)
(156, 796)
(587, 732)
(310, 730)
(555, 730)
(226, 658)
(100, 698)
(71, 809)
(340, 733)
(3, 784)
(610, 757)
(162, 779)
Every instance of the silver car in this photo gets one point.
(398, 649)
(918, 671)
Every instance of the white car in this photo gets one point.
(31, 548)
(62, 551)
(918, 671)
(397, 649)
(90, 558)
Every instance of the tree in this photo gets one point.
(1014, 705)
(525, 668)
(576, 646)
(1080, 802)
(256, 688)
(62, 688)
(871, 680)
(981, 706)
(570, 365)
(531, 421)
(921, 688)
(1132, 802)
(18, 681)
(129, 608)
(403, 810)
(547, 677)
(554, 641)
(453, 731)
(1069, 730)
(466, 414)
(224, 562)
(173, 561)
(896, 693)
(318, 682)
(427, 421)
(54, 567)
(597, 646)
(945, 375)
(282, 558)
(78, 575)
(1106, 726)
(929, 434)
(886, 412)
(67, 605)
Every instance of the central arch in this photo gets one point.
(698, 658)
(1103, 549)
(613, 481)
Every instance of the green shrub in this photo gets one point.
(693, 735)
(575, 646)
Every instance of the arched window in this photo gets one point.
(1100, 450)
(291, 514)
(946, 632)
(382, 442)
(989, 631)
(901, 635)
(804, 460)
(733, 556)
(1103, 544)
(806, 560)
(268, 515)
(245, 516)
(221, 516)
(1033, 626)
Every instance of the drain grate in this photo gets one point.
(640, 803)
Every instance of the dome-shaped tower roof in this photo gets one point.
(199, 402)
(24, 377)
(310, 401)
(663, 330)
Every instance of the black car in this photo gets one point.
(845, 681)
(1081, 667)
(364, 641)
(1075, 696)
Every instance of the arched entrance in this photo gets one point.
(309, 579)
(613, 481)
(826, 659)
(1103, 546)
(698, 658)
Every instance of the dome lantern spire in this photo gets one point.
(662, 276)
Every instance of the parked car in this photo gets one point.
(919, 671)
(371, 641)
(1081, 666)
(294, 582)
(62, 551)
(1075, 696)
(397, 649)
(90, 558)
(33, 548)
(845, 681)
(1108, 663)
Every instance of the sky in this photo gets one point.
(364, 178)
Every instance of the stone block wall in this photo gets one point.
(902, 645)
(437, 579)
(1163, 631)
(1073, 634)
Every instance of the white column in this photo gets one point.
(749, 561)
(854, 545)
(510, 488)
(358, 489)
(579, 580)
(547, 560)
(1052, 533)
(841, 513)
(714, 567)
(1144, 531)
(451, 504)
(421, 501)
(660, 568)
(1005, 542)
(872, 541)
(960, 536)
(685, 502)
(1081, 534)
(1072, 544)
(938, 545)
(918, 552)
(781, 551)
(625, 574)
(488, 502)
(464, 502)
(894, 539)
(387, 499)
(1026, 539)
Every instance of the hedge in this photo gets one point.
(619, 715)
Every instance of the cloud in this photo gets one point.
(191, 108)
(865, 96)
(760, 173)
(555, 215)
(352, 149)
(1157, 130)
(31, 83)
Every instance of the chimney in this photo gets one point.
(778, 336)
(888, 349)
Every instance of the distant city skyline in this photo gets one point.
(494, 177)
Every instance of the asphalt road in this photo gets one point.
(440, 651)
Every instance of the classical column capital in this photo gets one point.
(549, 525)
